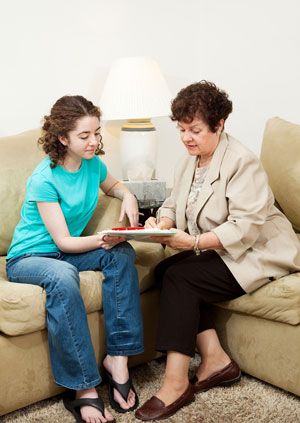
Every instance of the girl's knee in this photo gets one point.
(126, 250)
(65, 274)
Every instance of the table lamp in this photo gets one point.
(136, 90)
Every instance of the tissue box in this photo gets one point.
(150, 193)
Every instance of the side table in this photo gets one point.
(150, 195)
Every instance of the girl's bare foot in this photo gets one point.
(117, 367)
(91, 414)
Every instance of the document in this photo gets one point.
(140, 234)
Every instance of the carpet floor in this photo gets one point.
(250, 401)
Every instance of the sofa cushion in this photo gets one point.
(13, 176)
(278, 300)
(280, 155)
(22, 306)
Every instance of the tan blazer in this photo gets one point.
(237, 204)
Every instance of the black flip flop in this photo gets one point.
(73, 405)
(123, 389)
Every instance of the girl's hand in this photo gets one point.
(130, 208)
(181, 241)
(107, 241)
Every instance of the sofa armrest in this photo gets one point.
(106, 215)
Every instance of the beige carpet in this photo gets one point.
(250, 401)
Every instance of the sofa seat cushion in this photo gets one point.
(22, 306)
(278, 300)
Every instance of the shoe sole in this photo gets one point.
(225, 383)
(169, 415)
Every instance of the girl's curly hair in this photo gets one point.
(203, 100)
(62, 119)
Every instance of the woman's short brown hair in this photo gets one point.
(203, 100)
(62, 119)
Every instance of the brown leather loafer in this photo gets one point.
(155, 409)
(229, 375)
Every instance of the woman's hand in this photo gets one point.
(151, 223)
(107, 241)
(164, 223)
(130, 208)
(181, 241)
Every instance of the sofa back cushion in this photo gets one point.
(280, 156)
(19, 155)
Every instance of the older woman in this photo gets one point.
(231, 238)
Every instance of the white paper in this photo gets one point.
(138, 234)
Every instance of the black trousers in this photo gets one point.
(189, 285)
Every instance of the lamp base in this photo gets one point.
(138, 145)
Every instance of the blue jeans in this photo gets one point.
(71, 350)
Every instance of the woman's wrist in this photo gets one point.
(196, 247)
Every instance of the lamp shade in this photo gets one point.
(135, 88)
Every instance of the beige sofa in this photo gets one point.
(260, 331)
(25, 370)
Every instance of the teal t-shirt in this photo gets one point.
(76, 192)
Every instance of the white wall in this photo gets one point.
(250, 48)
